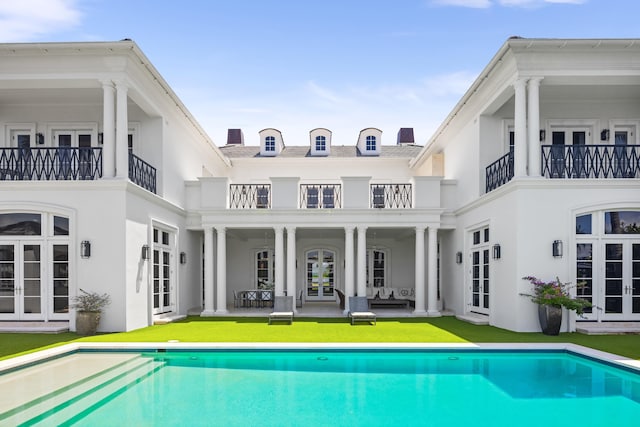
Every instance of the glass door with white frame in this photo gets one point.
(567, 163)
(320, 275)
(621, 280)
(480, 281)
(21, 281)
(163, 277)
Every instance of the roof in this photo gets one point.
(340, 151)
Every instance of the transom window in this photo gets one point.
(20, 224)
(321, 143)
(371, 143)
(622, 222)
(270, 143)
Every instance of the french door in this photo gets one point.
(21, 273)
(163, 277)
(568, 163)
(320, 275)
(621, 280)
(71, 164)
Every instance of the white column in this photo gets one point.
(108, 130)
(279, 261)
(432, 272)
(534, 126)
(122, 130)
(221, 279)
(419, 279)
(208, 272)
(348, 266)
(362, 262)
(520, 124)
(291, 264)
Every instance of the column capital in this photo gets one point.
(278, 228)
(220, 229)
(420, 228)
(106, 83)
(520, 83)
(349, 228)
(535, 81)
(121, 84)
(291, 230)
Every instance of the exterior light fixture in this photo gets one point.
(101, 138)
(543, 134)
(39, 138)
(85, 249)
(496, 251)
(458, 257)
(145, 252)
(604, 135)
(183, 257)
(556, 248)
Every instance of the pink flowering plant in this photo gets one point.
(555, 293)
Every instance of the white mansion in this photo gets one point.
(109, 184)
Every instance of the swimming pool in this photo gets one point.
(321, 386)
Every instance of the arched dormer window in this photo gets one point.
(270, 143)
(321, 143)
(371, 143)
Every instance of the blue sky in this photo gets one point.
(300, 64)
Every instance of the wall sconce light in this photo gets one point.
(556, 248)
(85, 249)
(183, 257)
(101, 138)
(604, 135)
(39, 138)
(458, 257)
(496, 251)
(145, 252)
(543, 134)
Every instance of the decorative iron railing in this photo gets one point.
(50, 164)
(391, 196)
(250, 196)
(499, 172)
(142, 173)
(590, 161)
(320, 196)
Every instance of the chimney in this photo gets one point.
(405, 136)
(235, 137)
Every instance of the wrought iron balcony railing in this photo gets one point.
(142, 173)
(590, 161)
(391, 196)
(320, 196)
(499, 172)
(50, 164)
(250, 196)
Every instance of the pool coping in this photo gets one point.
(32, 358)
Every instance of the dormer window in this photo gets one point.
(270, 144)
(320, 142)
(371, 143)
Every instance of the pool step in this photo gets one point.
(61, 404)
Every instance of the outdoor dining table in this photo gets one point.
(257, 298)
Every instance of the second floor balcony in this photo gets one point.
(599, 161)
(67, 163)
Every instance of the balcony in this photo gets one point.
(499, 172)
(320, 196)
(142, 173)
(250, 196)
(590, 161)
(47, 164)
(573, 162)
(391, 196)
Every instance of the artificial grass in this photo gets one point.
(338, 330)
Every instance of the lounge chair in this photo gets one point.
(359, 311)
(282, 309)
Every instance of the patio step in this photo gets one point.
(65, 400)
(474, 319)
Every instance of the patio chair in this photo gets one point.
(359, 311)
(282, 309)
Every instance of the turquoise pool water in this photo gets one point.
(357, 388)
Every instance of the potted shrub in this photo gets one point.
(551, 297)
(89, 306)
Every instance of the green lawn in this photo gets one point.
(243, 329)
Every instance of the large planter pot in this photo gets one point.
(550, 317)
(87, 322)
